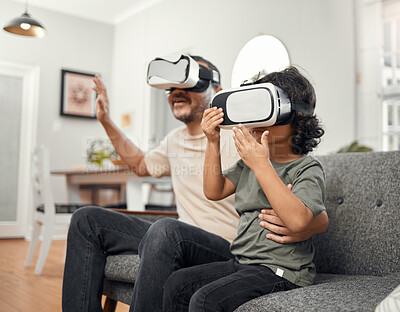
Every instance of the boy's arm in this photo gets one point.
(273, 223)
(290, 209)
(215, 185)
(129, 153)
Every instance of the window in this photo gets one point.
(391, 75)
(391, 123)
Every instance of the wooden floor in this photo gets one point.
(21, 290)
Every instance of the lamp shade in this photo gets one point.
(25, 25)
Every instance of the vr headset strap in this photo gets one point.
(206, 74)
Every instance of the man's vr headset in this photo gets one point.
(255, 105)
(182, 73)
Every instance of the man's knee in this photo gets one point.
(162, 234)
(164, 229)
(80, 218)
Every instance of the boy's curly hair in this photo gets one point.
(306, 129)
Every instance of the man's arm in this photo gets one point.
(271, 222)
(129, 153)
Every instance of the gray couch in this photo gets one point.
(357, 259)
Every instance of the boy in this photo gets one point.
(271, 158)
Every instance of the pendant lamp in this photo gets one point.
(25, 25)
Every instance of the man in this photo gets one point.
(208, 226)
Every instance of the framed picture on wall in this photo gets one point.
(77, 96)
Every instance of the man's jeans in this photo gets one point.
(219, 286)
(95, 233)
(165, 247)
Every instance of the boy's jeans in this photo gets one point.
(219, 286)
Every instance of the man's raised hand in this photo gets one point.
(102, 107)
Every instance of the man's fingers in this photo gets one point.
(271, 219)
(280, 239)
(274, 228)
(99, 84)
(269, 212)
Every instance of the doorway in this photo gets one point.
(18, 119)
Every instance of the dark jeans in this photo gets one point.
(95, 233)
(168, 246)
(165, 247)
(219, 286)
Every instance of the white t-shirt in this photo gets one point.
(181, 156)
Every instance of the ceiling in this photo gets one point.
(106, 11)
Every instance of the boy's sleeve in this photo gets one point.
(157, 162)
(233, 173)
(309, 187)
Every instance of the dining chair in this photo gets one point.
(46, 214)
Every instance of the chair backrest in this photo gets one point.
(363, 205)
(41, 181)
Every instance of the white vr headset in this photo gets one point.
(182, 73)
(256, 105)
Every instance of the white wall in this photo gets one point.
(369, 93)
(71, 43)
(319, 36)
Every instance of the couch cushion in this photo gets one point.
(356, 293)
(119, 291)
(122, 268)
(363, 204)
(332, 278)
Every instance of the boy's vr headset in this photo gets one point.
(183, 73)
(256, 105)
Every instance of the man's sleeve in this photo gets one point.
(309, 187)
(157, 161)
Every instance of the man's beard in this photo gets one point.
(196, 113)
(193, 115)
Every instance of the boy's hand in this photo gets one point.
(252, 153)
(102, 109)
(212, 117)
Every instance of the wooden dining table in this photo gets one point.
(131, 186)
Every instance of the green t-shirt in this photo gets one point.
(291, 261)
